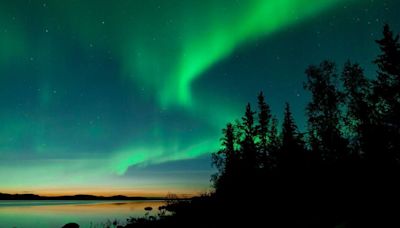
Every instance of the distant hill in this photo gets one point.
(5, 196)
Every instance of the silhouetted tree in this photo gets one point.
(324, 113)
(387, 84)
(274, 143)
(292, 149)
(225, 159)
(358, 111)
(248, 147)
(386, 91)
(389, 61)
(263, 128)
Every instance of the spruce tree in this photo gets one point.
(389, 60)
(248, 147)
(386, 93)
(292, 149)
(225, 159)
(263, 128)
(274, 143)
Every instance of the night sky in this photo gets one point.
(129, 96)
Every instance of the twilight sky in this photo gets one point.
(129, 96)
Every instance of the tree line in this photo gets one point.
(346, 159)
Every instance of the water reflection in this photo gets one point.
(58, 213)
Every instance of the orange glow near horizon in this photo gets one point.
(105, 192)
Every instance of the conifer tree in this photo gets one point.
(274, 143)
(292, 149)
(386, 93)
(225, 159)
(263, 128)
(248, 147)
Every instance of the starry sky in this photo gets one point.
(129, 96)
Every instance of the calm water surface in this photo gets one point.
(44, 213)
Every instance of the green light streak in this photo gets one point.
(201, 41)
(203, 38)
(145, 155)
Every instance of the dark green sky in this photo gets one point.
(131, 95)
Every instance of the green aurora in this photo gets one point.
(92, 89)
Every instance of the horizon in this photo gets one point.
(129, 98)
(104, 194)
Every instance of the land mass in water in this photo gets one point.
(5, 196)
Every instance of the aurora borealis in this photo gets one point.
(129, 96)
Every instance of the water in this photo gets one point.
(42, 213)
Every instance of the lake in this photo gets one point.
(55, 213)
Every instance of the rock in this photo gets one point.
(71, 225)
